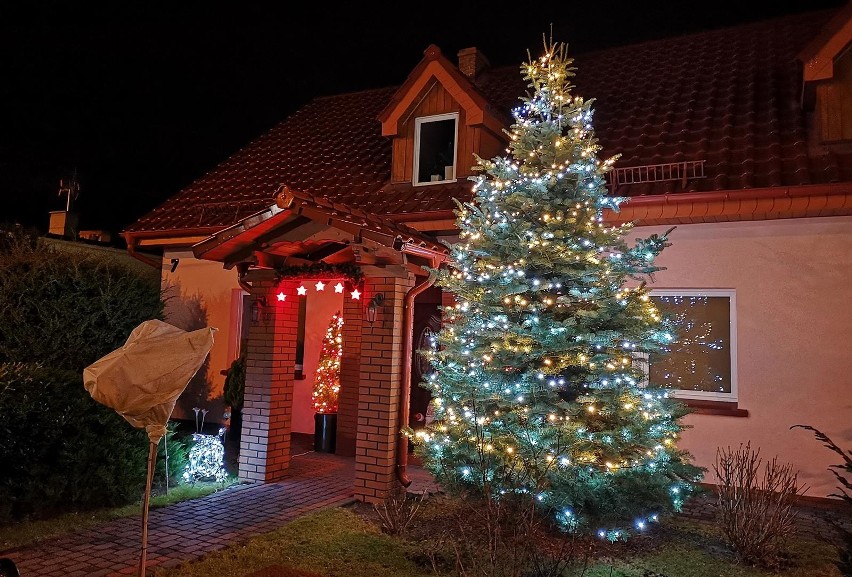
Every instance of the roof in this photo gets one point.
(289, 226)
(729, 98)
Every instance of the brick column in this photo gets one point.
(350, 377)
(380, 376)
(270, 364)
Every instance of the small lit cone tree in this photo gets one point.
(327, 384)
(537, 390)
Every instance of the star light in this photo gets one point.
(356, 294)
(338, 288)
(282, 296)
(302, 290)
(320, 286)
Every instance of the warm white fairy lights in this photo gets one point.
(205, 461)
(535, 368)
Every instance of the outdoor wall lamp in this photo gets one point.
(373, 307)
(256, 309)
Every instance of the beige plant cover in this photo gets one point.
(143, 379)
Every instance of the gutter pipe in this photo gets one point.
(407, 350)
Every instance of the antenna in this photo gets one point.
(70, 188)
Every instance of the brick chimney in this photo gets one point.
(472, 62)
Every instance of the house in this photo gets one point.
(739, 137)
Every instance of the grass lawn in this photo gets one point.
(348, 541)
(27, 533)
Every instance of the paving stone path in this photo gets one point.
(191, 529)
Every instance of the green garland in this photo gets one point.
(321, 270)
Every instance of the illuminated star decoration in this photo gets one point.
(356, 294)
(338, 288)
(302, 290)
(282, 296)
(320, 286)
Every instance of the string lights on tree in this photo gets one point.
(536, 388)
(327, 378)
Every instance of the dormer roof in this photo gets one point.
(435, 67)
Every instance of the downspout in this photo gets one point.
(405, 386)
(242, 268)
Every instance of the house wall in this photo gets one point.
(200, 294)
(320, 308)
(793, 290)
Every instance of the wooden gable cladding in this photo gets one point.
(470, 139)
(827, 76)
(435, 87)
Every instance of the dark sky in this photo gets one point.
(140, 98)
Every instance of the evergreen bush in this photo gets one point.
(68, 308)
(60, 310)
(61, 451)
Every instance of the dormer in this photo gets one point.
(827, 81)
(438, 120)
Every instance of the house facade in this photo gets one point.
(738, 137)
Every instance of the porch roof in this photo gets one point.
(300, 228)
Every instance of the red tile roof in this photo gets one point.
(729, 97)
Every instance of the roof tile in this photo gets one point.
(729, 97)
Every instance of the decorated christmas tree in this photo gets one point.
(327, 379)
(538, 388)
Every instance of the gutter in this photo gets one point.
(736, 205)
(407, 350)
(131, 249)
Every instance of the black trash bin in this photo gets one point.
(8, 568)
(325, 431)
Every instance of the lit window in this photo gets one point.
(701, 362)
(435, 149)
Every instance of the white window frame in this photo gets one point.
(731, 294)
(434, 118)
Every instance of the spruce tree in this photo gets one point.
(327, 378)
(538, 387)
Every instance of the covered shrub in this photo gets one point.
(67, 308)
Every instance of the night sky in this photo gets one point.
(141, 98)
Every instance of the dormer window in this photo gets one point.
(435, 140)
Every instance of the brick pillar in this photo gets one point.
(380, 377)
(350, 377)
(270, 364)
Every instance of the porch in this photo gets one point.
(299, 262)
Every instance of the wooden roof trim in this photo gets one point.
(357, 222)
(436, 65)
(819, 55)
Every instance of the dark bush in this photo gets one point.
(60, 310)
(61, 450)
(67, 308)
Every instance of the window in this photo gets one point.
(701, 363)
(300, 338)
(435, 149)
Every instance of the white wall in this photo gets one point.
(793, 281)
(197, 294)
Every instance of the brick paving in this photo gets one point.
(188, 530)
